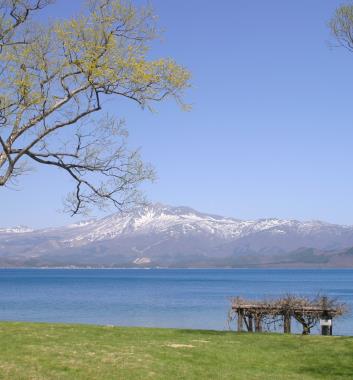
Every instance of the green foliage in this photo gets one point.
(54, 80)
(341, 26)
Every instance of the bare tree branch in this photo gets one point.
(53, 83)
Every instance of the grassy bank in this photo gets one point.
(57, 351)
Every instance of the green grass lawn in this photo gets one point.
(58, 351)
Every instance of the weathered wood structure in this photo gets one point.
(254, 315)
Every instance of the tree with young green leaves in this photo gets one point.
(341, 26)
(55, 79)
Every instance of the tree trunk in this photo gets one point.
(306, 330)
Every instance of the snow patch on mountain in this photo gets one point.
(16, 230)
(142, 260)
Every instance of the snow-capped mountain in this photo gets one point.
(160, 235)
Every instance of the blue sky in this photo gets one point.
(271, 129)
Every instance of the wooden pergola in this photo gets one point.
(254, 315)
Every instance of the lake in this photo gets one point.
(195, 298)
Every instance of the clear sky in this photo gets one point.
(271, 130)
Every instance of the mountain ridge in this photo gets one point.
(162, 235)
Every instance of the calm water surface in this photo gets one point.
(157, 297)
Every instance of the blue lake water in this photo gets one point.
(157, 297)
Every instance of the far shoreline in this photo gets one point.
(179, 268)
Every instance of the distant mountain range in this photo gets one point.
(165, 236)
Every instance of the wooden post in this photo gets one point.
(250, 328)
(287, 324)
(240, 319)
(326, 320)
(258, 326)
(325, 330)
(326, 325)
